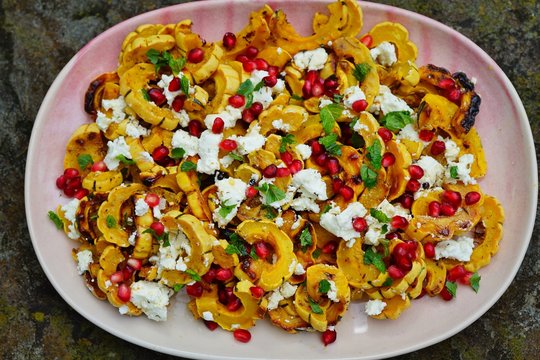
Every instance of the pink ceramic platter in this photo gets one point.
(502, 124)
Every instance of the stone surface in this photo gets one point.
(38, 37)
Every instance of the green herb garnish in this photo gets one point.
(125, 160)
(379, 215)
(226, 209)
(56, 220)
(454, 172)
(84, 160)
(475, 281)
(305, 239)
(162, 59)
(271, 193)
(193, 275)
(452, 288)
(360, 71)
(111, 221)
(178, 153)
(324, 286)
(286, 140)
(374, 155)
(396, 120)
(188, 166)
(375, 259)
(329, 115)
(314, 306)
(329, 143)
(369, 176)
(184, 85)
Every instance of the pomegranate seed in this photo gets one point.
(295, 166)
(360, 224)
(452, 197)
(411, 246)
(224, 295)
(248, 116)
(333, 166)
(438, 147)
(242, 335)
(447, 209)
(434, 209)
(446, 84)
(124, 292)
(330, 83)
(394, 272)
(316, 148)
(218, 125)
(399, 222)
(404, 263)
(178, 103)
(261, 64)
(256, 108)
(249, 66)
(127, 272)
(330, 247)
(74, 183)
(429, 250)
(272, 70)
(251, 52)
(228, 145)
(312, 76)
(261, 249)
(223, 274)
(455, 273)
(426, 135)
(211, 325)
(283, 172)
(98, 166)
(195, 290)
(270, 80)
(195, 128)
(359, 105)
(321, 160)
(234, 304)
(407, 200)
(286, 157)
(413, 185)
(195, 56)
(242, 58)
(317, 90)
(229, 40)
(337, 183)
(251, 192)
(256, 291)
(306, 90)
(79, 194)
(237, 101)
(454, 95)
(158, 228)
(71, 173)
(117, 277)
(392, 235)
(388, 160)
(69, 192)
(136, 264)
(174, 85)
(385, 134)
(416, 172)
(209, 276)
(270, 171)
(156, 95)
(445, 294)
(152, 199)
(61, 182)
(367, 40)
(160, 153)
(472, 197)
(347, 192)
(328, 337)
(466, 279)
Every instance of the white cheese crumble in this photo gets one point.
(145, 157)
(208, 316)
(182, 139)
(117, 147)
(117, 106)
(304, 151)
(305, 203)
(332, 293)
(375, 307)
(297, 223)
(310, 183)
(141, 207)
(231, 192)
(280, 125)
(408, 132)
(311, 59)
(252, 141)
(84, 259)
(132, 238)
(208, 152)
(70, 212)
(285, 291)
(340, 223)
(451, 151)
(463, 167)
(460, 249)
(324, 101)
(226, 161)
(433, 171)
(384, 54)
(387, 102)
(152, 298)
(351, 95)
(136, 130)
(123, 310)
(299, 269)
(264, 96)
(176, 255)
(279, 221)
(229, 116)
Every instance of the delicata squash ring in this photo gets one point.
(275, 175)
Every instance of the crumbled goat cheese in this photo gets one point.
(226, 161)
(257, 76)
(299, 269)
(393, 210)
(311, 59)
(176, 255)
(304, 151)
(229, 116)
(182, 139)
(451, 151)
(145, 156)
(118, 115)
(264, 96)
(384, 54)
(351, 95)
(132, 238)
(285, 291)
(135, 130)
(310, 183)
(279, 221)
(305, 203)
(231, 192)
(208, 316)
(209, 152)
(141, 207)
(408, 132)
(70, 212)
(152, 298)
(460, 249)
(359, 126)
(280, 125)
(433, 171)
(375, 307)
(463, 170)
(124, 309)
(250, 142)
(332, 293)
(297, 223)
(340, 223)
(84, 259)
(387, 102)
(324, 101)
(117, 147)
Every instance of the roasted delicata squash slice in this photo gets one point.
(398, 35)
(86, 140)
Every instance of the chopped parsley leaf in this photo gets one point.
(178, 153)
(475, 281)
(379, 215)
(324, 286)
(314, 306)
(56, 220)
(305, 239)
(271, 193)
(286, 140)
(111, 221)
(188, 166)
(193, 275)
(84, 160)
(375, 259)
(454, 172)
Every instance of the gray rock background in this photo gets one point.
(39, 37)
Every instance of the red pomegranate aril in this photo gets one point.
(472, 197)
(400, 250)
(306, 89)
(158, 228)
(394, 272)
(385, 134)
(434, 209)
(359, 105)
(156, 95)
(367, 40)
(79, 194)
(237, 101)
(347, 192)
(218, 125)
(256, 291)
(248, 116)
(404, 263)
(270, 80)
(261, 64)
(256, 108)
(249, 66)
(251, 52)
(316, 148)
(332, 165)
(454, 95)
(330, 247)
(229, 40)
(136, 264)
(399, 222)
(295, 166)
(452, 197)
(445, 294)
(98, 166)
(283, 172)
(124, 292)
(360, 224)
(446, 83)
(261, 249)
(456, 273)
(317, 90)
(224, 274)
(74, 183)
(117, 277)
(407, 201)
(392, 235)
(416, 172)
(127, 272)
(272, 70)
(228, 145)
(160, 153)
(70, 173)
(270, 171)
(311, 76)
(195, 56)
(331, 83)
(388, 160)
(174, 85)
(286, 157)
(195, 128)
(466, 279)
(69, 192)
(194, 290)
(328, 337)
(413, 185)
(411, 246)
(251, 192)
(211, 325)
(61, 182)
(225, 295)
(429, 250)
(321, 160)
(178, 103)
(209, 276)
(152, 199)
(438, 147)
(426, 135)
(337, 183)
(447, 209)
(242, 335)
(242, 58)
(234, 304)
